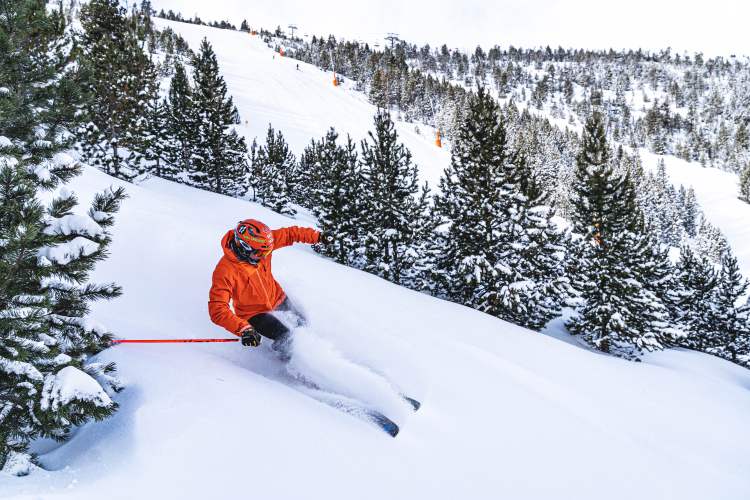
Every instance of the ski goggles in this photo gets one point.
(241, 236)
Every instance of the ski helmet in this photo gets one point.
(253, 240)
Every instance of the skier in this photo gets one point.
(243, 276)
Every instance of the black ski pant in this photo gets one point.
(269, 325)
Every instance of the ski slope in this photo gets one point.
(303, 104)
(507, 413)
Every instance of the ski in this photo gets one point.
(352, 407)
(345, 404)
(416, 405)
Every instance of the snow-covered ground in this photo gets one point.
(507, 413)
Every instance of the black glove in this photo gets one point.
(326, 238)
(250, 337)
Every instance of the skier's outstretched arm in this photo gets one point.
(218, 305)
(294, 234)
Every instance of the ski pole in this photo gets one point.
(168, 341)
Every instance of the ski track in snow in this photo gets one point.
(506, 413)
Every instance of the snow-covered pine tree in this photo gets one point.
(501, 252)
(394, 217)
(745, 184)
(379, 89)
(310, 170)
(696, 281)
(660, 278)
(155, 137)
(659, 201)
(219, 162)
(334, 182)
(732, 318)
(710, 241)
(47, 382)
(117, 75)
(690, 212)
(181, 123)
(539, 250)
(472, 200)
(273, 173)
(619, 313)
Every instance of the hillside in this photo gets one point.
(507, 413)
(304, 103)
(502, 405)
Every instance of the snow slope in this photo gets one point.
(507, 413)
(303, 104)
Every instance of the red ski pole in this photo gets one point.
(168, 341)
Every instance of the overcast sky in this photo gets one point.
(715, 27)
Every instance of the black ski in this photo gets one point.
(416, 405)
(352, 407)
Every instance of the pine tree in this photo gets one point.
(333, 184)
(219, 160)
(379, 89)
(181, 123)
(46, 251)
(710, 241)
(273, 173)
(732, 320)
(690, 213)
(745, 184)
(311, 171)
(155, 136)
(619, 314)
(662, 209)
(502, 253)
(471, 199)
(394, 218)
(117, 77)
(660, 278)
(539, 251)
(696, 306)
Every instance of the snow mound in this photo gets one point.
(18, 464)
(70, 384)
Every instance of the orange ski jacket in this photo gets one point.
(251, 289)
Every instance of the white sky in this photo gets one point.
(716, 27)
